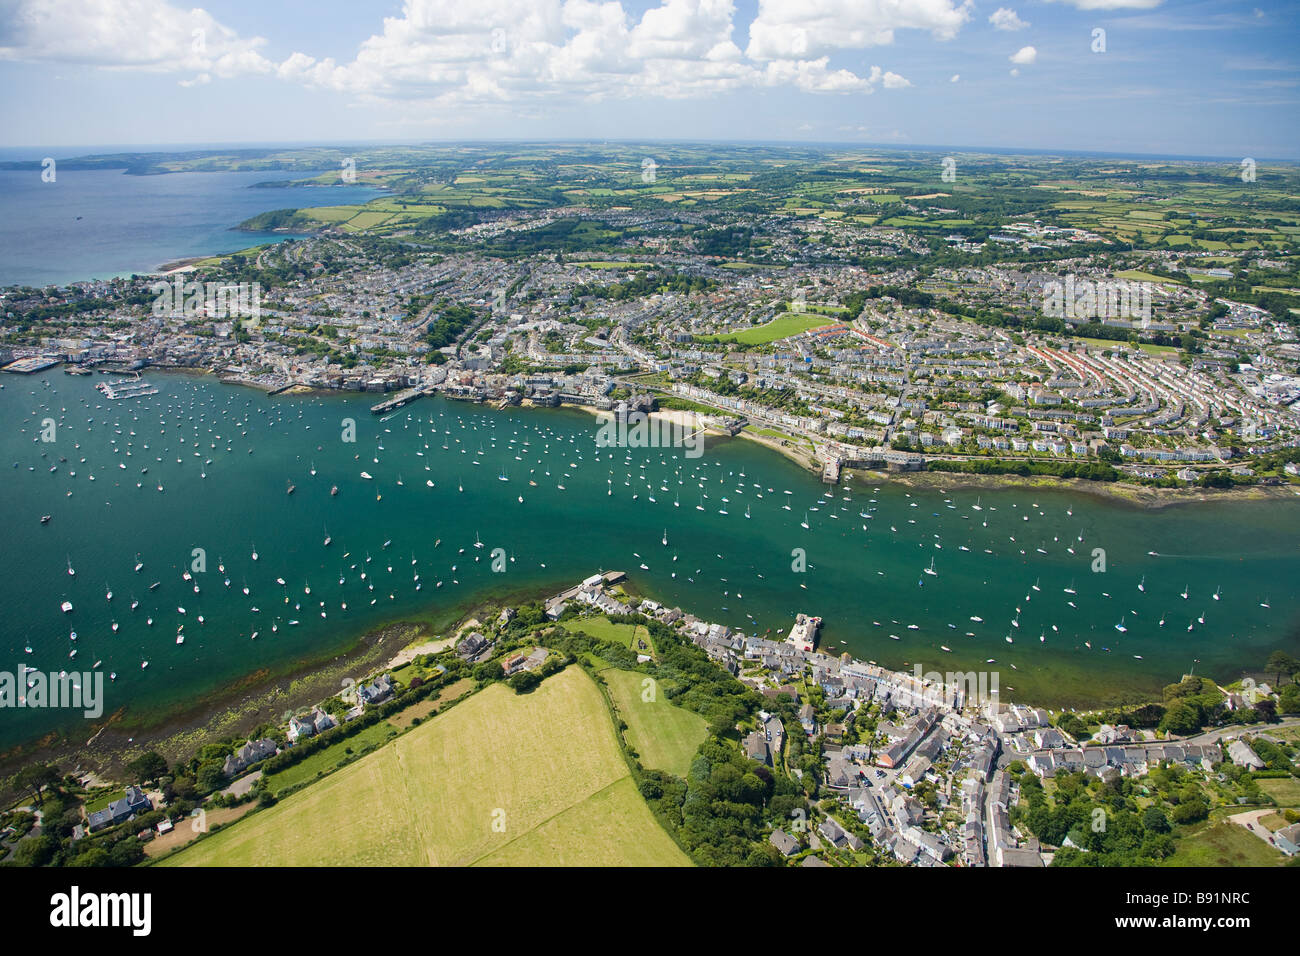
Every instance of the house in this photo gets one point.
(247, 755)
(756, 747)
(375, 693)
(314, 723)
(470, 646)
(834, 833)
(1239, 752)
(785, 844)
(120, 810)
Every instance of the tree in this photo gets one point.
(36, 851)
(36, 778)
(148, 766)
(1281, 663)
(1267, 709)
(1154, 821)
(1181, 718)
(210, 777)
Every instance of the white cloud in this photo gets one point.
(795, 28)
(1111, 4)
(1004, 18)
(1024, 56)
(145, 35)
(446, 53)
(955, 78)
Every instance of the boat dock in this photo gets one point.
(397, 401)
(136, 388)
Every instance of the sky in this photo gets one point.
(1129, 77)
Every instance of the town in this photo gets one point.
(839, 334)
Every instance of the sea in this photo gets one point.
(171, 516)
(100, 224)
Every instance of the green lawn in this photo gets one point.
(666, 736)
(1223, 844)
(103, 800)
(328, 759)
(603, 629)
(782, 327)
(502, 778)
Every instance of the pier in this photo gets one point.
(397, 401)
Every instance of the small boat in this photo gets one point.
(1217, 593)
(67, 607)
(1142, 585)
(45, 519)
(334, 489)
(290, 490)
(367, 475)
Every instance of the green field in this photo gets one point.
(1285, 791)
(666, 736)
(613, 264)
(782, 327)
(324, 761)
(1222, 844)
(603, 629)
(500, 779)
(1137, 275)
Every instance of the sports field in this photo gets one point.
(501, 778)
(666, 736)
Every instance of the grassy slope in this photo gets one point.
(548, 760)
(1223, 844)
(665, 735)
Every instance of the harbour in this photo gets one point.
(191, 481)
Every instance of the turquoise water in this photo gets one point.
(238, 450)
(97, 224)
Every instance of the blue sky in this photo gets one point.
(1175, 76)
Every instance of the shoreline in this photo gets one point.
(1146, 497)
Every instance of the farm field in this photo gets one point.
(665, 735)
(432, 797)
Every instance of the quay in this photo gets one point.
(397, 401)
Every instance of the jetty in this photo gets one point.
(404, 397)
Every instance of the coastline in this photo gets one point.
(1139, 496)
